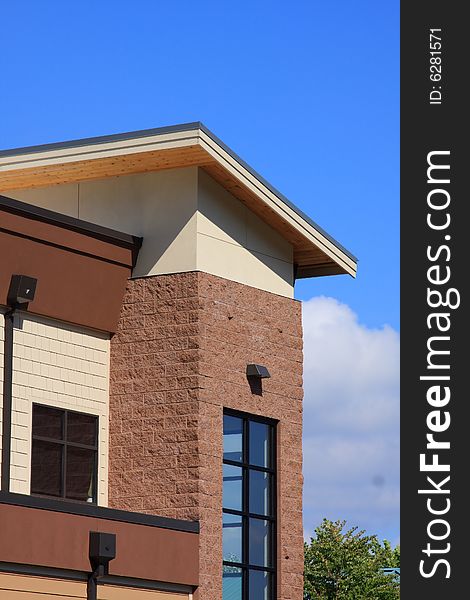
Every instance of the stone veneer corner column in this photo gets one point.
(177, 359)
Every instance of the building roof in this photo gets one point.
(315, 252)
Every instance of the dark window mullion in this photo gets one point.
(252, 567)
(271, 570)
(273, 500)
(245, 513)
(64, 457)
(244, 583)
(95, 477)
(41, 438)
(240, 513)
(245, 442)
(237, 463)
(246, 508)
(246, 541)
(84, 446)
(261, 517)
(57, 441)
(65, 446)
(250, 417)
(232, 511)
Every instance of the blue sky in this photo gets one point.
(306, 92)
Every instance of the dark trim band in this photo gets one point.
(145, 584)
(99, 512)
(118, 238)
(68, 249)
(116, 580)
(39, 571)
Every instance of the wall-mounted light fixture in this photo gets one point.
(258, 371)
(21, 291)
(102, 549)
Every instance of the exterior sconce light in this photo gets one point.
(21, 291)
(102, 549)
(257, 371)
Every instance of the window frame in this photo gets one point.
(245, 513)
(64, 443)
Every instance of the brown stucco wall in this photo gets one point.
(178, 358)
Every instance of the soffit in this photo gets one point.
(315, 252)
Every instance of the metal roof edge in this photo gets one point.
(102, 139)
(192, 126)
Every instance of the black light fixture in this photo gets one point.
(21, 291)
(257, 371)
(102, 549)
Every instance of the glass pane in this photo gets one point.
(232, 491)
(80, 474)
(47, 422)
(259, 545)
(260, 493)
(233, 438)
(231, 583)
(46, 468)
(82, 428)
(259, 584)
(259, 444)
(232, 538)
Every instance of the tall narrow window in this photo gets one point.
(249, 505)
(64, 457)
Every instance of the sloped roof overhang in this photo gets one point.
(315, 252)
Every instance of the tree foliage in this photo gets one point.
(348, 565)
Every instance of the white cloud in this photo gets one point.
(351, 420)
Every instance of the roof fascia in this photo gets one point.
(184, 135)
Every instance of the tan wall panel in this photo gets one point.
(220, 214)
(188, 222)
(160, 207)
(243, 266)
(260, 237)
(58, 365)
(108, 592)
(224, 217)
(62, 199)
(25, 587)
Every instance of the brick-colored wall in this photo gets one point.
(178, 358)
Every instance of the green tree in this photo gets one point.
(347, 565)
(388, 556)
